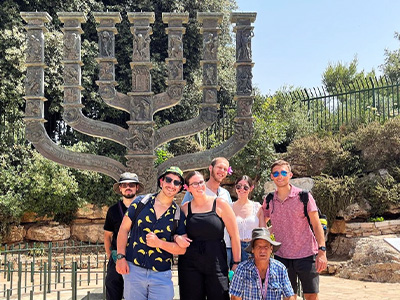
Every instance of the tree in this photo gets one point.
(391, 66)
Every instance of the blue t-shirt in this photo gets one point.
(137, 251)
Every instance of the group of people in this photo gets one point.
(212, 235)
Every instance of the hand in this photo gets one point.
(152, 240)
(122, 266)
(234, 266)
(321, 261)
(183, 241)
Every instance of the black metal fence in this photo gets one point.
(361, 102)
(29, 271)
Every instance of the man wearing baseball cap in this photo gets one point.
(155, 223)
(261, 277)
(128, 186)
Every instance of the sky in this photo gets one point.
(295, 41)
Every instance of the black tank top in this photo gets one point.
(204, 226)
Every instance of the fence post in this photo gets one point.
(19, 279)
(74, 280)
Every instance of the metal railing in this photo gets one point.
(361, 102)
(30, 270)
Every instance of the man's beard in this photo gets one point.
(129, 196)
(213, 175)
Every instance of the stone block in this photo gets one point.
(90, 211)
(338, 227)
(88, 232)
(383, 224)
(48, 233)
(16, 234)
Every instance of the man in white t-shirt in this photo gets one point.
(218, 168)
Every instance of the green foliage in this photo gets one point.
(313, 155)
(376, 219)
(162, 155)
(333, 194)
(391, 66)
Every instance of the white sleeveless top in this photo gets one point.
(246, 225)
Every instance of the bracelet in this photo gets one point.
(175, 237)
(236, 262)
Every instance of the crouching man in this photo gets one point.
(261, 277)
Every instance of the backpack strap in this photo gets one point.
(304, 198)
(177, 216)
(141, 204)
(269, 197)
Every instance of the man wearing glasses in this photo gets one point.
(302, 251)
(128, 187)
(144, 259)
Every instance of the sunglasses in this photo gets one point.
(197, 184)
(128, 184)
(245, 187)
(276, 173)
(175, 182)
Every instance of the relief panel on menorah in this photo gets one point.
(209, 114)
(34, 81)
(175, 91)
(72, 49)
(34, 132)
(71, 114)
(210, 45)
(210, 96)
(140, 138)
(140, 108)
(175, 47)
(244, 78)
(244, 107)
(144, 169)
(106, 71)
(141, 46)
(34, 52)
(106, 43)
(175, 70)
(71, 95)
(107, 91)
(141, 80)
(72, 74)
(243, 43)
(34, 108)
(210, 74)
(244, 129)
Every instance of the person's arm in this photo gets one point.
(122, 238)
(321, 260)
(289, 298)
(107, 242)
(261, 218)
(172, 247)
(235, 298)
(229, 219)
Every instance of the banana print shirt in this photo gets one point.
(137, 251)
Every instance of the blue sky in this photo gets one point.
(296, 40)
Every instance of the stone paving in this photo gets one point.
(331, 288)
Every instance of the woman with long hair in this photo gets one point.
(203, 269)
(249, 214)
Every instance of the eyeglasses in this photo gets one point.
(128, 184)
(245, 187)
(197, 184)
(175, 182)
(283, 173)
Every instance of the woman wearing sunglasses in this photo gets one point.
(249, 214)
(203, 269)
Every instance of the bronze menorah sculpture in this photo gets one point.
(140, 138)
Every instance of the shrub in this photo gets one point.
(333, 194)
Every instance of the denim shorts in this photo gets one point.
(244, 255)
(143, 284)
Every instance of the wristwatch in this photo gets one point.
(236, 262)
(322, 248)
(120, 256)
